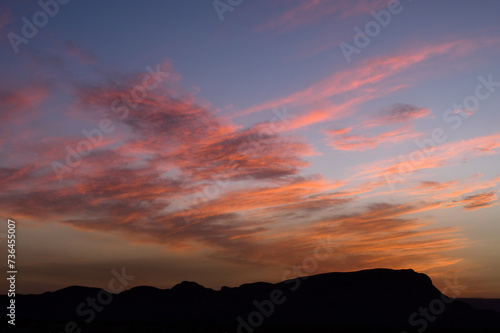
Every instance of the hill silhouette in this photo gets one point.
(377, 300)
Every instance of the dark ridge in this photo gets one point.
(377, 300)
(483, 303)
(74, 290)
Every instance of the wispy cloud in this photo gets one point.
(343, 139)
(477, 201)
(445, 154)
(396, 114)
(308, 12)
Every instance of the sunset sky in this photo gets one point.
(223, 144)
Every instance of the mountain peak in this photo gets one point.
(188, 286)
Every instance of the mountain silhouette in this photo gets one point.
(377, 300)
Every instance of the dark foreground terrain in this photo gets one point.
(379, 300)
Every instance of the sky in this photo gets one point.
(233, 141)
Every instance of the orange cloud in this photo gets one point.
(452, 189)
(433, 186)
(477, 201)
(313, 117)
(343, 140)
(378, 236)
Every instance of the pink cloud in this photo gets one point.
(313, 117)
(312, 11)
(342, 139)
(16, 104)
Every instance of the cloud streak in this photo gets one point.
(342, 139)
(310, 12)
